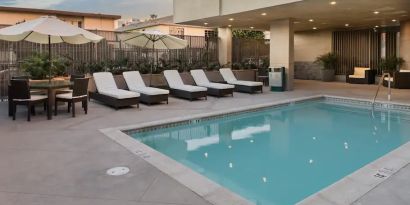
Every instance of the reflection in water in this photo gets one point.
(282, 155)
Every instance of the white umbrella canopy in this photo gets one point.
(153, 39)
(48, 30)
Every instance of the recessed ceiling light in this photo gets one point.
(333, 3)
(231, 19)
(314, 28)
(229, 25)
(376, 26)
(347, 25)
(251, 27)
(205, 23)
(311, 20)
(376, 12)
(263, 14)
(296, 22)
(394, 20)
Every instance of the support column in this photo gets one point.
(225, 45)
(405, 43)
(282, 48)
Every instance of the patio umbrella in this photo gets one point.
(48, 30)
(153, 40)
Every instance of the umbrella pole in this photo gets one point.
(153, 62)
(49, 58)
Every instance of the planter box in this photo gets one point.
(327, 75)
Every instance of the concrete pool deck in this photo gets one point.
(63, 161)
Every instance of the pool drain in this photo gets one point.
(118, 171)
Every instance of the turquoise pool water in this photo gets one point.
(282, 155)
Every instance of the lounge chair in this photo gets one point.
(215, 89)
(240, 85)
(108, 92)
(179, 89)
(361, 76)
(149, 95)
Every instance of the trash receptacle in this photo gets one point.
(277, 80)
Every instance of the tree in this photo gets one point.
(153, 16)
(248, 34)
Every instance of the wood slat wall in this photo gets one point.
(362, 48)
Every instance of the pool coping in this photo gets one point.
(345, 191)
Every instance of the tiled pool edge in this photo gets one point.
(345, 191)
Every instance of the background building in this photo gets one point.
(90, 21)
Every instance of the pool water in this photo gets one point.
(283, 155)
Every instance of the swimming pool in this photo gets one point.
(284, 154)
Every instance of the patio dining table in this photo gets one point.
(51, 88)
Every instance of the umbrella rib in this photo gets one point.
(27, 35)
(148, 42)
(162, 40)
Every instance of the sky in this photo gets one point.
(126, 8)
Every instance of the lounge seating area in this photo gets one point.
(240, 85)
(179, 89)
(108, 93)
(214, 89)
(361, 75)
(399, 80)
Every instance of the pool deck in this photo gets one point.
(63, 161)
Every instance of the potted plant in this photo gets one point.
(391, 64)
(328, 61)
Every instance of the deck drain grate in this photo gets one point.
(118, 171)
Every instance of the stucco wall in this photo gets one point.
(99, 24)
(11, 18)
(308, 46)
(405, 43)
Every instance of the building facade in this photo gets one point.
(90, 21)
(301, 30)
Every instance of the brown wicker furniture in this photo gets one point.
(20, 95)
(240, 86)
(109, 94)
(361, 76)
(79, 94)
(149, 95)
(214, 89)
(179, 89)
(399, 80)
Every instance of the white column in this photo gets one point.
(282, 48)
(405, 43)
(225, 45)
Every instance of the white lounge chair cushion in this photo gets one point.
(190, 88)
(201, 80)
(356, 76)
(230, 78)
(150, 91)
(228, 75)
(360, 72)
(246, 83)
(120, 94)
(106, 85)
(33, 98)
(104, 81)
(135, 83)
(173, 78)
(175, 82)
(68, 96)
(134, 79)
(404, 71)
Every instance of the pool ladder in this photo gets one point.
(380, 84)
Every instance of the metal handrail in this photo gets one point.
(378, 87)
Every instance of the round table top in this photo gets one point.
(54, 84)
